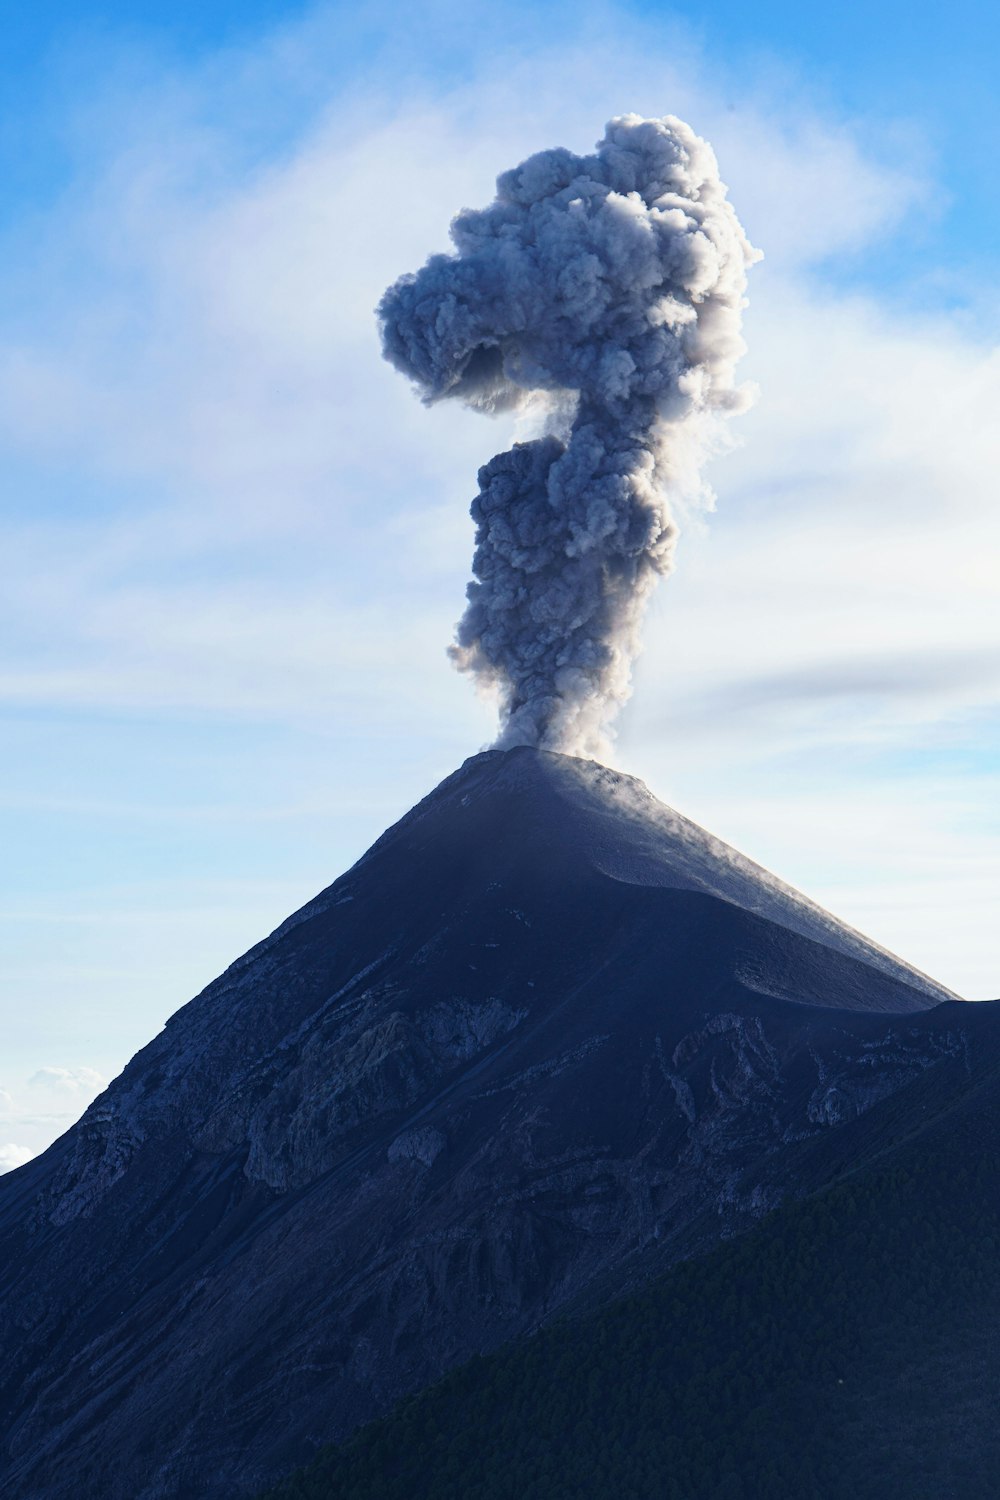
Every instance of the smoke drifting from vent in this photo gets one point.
(613, 285)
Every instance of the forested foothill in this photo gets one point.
(844, 1348)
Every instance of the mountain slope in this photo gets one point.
(543, 1040)
(844, 1349)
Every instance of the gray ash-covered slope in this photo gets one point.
(544, 1039)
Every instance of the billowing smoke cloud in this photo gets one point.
(614, 284)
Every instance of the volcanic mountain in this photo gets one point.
(545, 1040)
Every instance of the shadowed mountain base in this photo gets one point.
(846, 1348)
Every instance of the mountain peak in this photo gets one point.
(611, 823)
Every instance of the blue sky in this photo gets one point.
(234, 546)
(918, 74)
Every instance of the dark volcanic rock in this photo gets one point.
(545, 1038)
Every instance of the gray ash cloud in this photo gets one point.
(611, 285)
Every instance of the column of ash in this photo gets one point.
(614, 285)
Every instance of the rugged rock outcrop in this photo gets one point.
(544, 1038)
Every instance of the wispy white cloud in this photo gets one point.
(36, 1108)
(12, 1156)
(846, 591)
(74, 1081)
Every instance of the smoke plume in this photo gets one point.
(612, 284)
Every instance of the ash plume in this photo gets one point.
(612, 286)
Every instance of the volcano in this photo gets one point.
(544, 1040)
